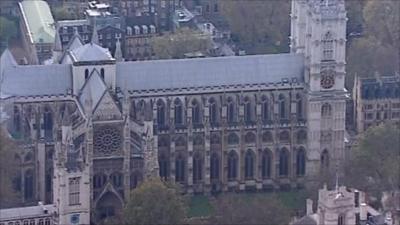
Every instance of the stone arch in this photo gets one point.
(178, 112)
(282, 106)
(267, 137)
(117, 179)
(299, 106)
(233, 138)
(48, 122)
(325, 160)
(248, 109)
(109, 205)
(196, 112)
(265, 114)
(266, 163)
(213, 110)
(231, 110)
(163, 162)
(284, 160)
(250, 138)
(301, 162)
(99, 180)
(180, 168)
(214, 166)
(197, 168)
(161, 112)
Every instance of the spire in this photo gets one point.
(57, 41)
(118, 52)
(95, 36)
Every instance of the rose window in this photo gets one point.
(107, 140)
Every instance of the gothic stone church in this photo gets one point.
(92, 126)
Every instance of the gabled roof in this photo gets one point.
(36, 80)
(92, 91)
(90, 52)
(39, 20)
(206, 72)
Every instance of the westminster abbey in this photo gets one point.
(92, 126)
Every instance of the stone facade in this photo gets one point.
(213, 124)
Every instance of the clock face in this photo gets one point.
(327, 79)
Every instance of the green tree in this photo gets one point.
(374, 165)
(8, 168)
(155, 202)
(259, 26)
(248, 209)
(175, 45)
(61, 13)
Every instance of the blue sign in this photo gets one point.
(74, 218)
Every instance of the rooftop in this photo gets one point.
(26, 212)
(40, 22)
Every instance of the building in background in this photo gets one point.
(376, 100)
(32, 215)
(37, 30)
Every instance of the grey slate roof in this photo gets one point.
(36, 80)
(90, 52)
(92, 90)
(203, 72)
(25, 212)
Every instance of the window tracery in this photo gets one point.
(107, 140)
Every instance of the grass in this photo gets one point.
(200, 206)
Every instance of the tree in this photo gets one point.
(259, 26)
(374, 165)
(8, 168)
(61, 13)
(154, 202)
(236, 209)
(175, 45)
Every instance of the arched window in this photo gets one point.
(266, 164)
(233, 139)
(301, 137)
(86, 74)
(283, 162)
(264, 109)
(301, 162)
(213, 111)
(17, 119)
(178, 112)
(99, 180)
(327, 46)
(180, 169)
(249, 165)
(117, 179)
(341, 220)
(299, 106)
(28, 184)
(325, 161)
(197, 168)
(267, 137)
(232, 165)
(214, 166)
(250, 138)
(282, 106)
(326, 110)
(284, 136)
(164, 167)
(247, 110)
(135, 180)
(230, 111)
(160, 112)
(102, 73)
(195, 112)
(48, 123)
(215, 7)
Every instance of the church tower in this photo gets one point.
(71, 182)
(318, 30)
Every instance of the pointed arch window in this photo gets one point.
(117, 179)
(48, 123)
(213, 111)
(267, 137)
(325, 161)
(341, 219)
(301, 162)
(196, 112)
(178, 112)
(326, 110)
(86, 74)
(233, 139)
(164, 167)
(28, 184)
(102, 73)
(283, 163)
(232, 165)
(249, 165)
(17, 119)
(160, 112)
(197, 168)
(230, 111)
(264, 109)
(180, 169)
(214, 166)
(247, 110)
(266, 164)
(282, 106)
(299, 106)
(327, 46)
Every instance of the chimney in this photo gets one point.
(309, 206)
(363, 212)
